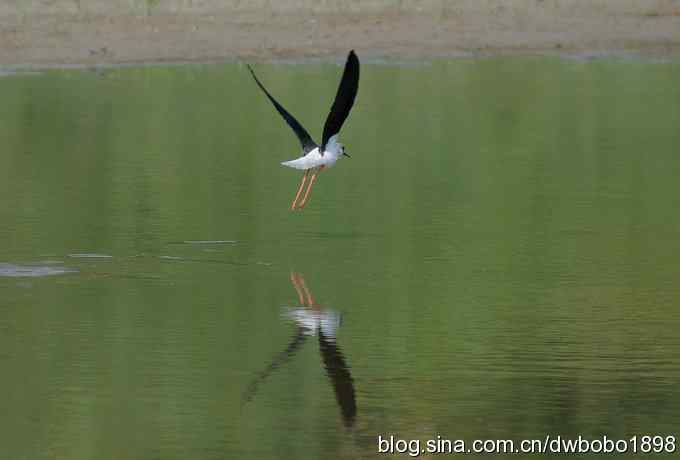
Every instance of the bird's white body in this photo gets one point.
(315, 159)
(313, 321)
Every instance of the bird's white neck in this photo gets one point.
(333, 147)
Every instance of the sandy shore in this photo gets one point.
(48, 33)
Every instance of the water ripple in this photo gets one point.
(33, 271)
(87, 255)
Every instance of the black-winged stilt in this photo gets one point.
(318, 157)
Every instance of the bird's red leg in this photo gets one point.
(296, 284)
(309, 187)
(297, 195)
(310, 299)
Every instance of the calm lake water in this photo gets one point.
(498, 259)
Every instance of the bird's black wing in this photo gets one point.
(305, 139)
(344, 100)
(340, 376)
(280, 359)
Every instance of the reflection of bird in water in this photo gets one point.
(312, 320)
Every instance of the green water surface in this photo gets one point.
(499, 259)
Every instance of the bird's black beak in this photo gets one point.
(346, 154)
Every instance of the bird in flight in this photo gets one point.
(315, 157)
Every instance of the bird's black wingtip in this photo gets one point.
(252, 73)
(352, 58)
